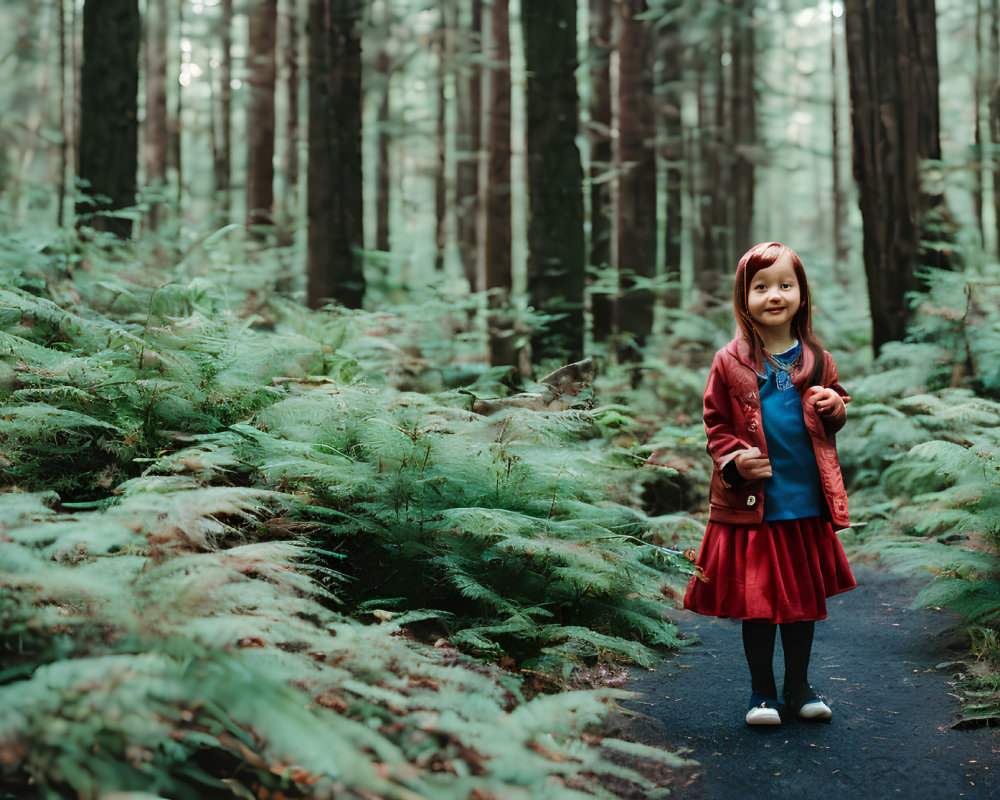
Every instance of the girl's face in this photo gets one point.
(774, 296)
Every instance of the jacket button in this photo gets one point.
(751, 500)
(751, 426)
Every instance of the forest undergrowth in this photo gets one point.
(922, 460)
(251, 550)
(238, 558)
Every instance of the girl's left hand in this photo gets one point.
(826, 401)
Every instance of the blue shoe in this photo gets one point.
(808, 705)
(763, 710)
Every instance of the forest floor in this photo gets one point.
(874, 660)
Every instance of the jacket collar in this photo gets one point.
(739, 348)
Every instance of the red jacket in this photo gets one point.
(733, 423)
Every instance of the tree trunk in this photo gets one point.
(64, 119)
(33, 120)
(977, 127)
(719, 225)
(743, 126)
(671, 90)
(496, 187)
(290, 154)
(383, 164)
(444, 46)
(260, 120)
(76, 69)
(599, 134)
(109, 130)
(635, 189)
(709, 201)
(335, 235)
(994, 115)
(840, 246)
(893, 70)
(468, 136)
(383, 171)
(155, 125)
(556, 257)
(174, 124)
(222, 163)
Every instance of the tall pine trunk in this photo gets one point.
(65, 126)
(556, 255)
(468, 134)
(601, 257)
(155, 125)
(444, 46)
(109, 129)
(893, 69)
(287, 73)
(222, 162)
(174, 123)
(840, 245)
(977, 126)
(635, 186)
(335, 216)
(743, 126)
(671, 90)
(994, 114)
(710, 226)
(383, 163)
(496, 188)
(260, 121)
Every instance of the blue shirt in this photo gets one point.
(793, 491)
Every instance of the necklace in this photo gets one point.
(784, 363)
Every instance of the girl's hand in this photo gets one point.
(752, 465)
(826, 401)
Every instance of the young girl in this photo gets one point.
(770, 555)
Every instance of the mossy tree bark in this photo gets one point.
(556, 258)
(109, 129)
(335, 219)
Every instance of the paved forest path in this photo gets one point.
(874, 661)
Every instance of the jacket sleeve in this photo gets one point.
(723, 441)
(836, 422)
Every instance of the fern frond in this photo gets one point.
(976, 600)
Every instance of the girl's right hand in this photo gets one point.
(752, 465)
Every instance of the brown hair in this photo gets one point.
(761, 256)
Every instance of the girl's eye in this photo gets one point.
(759, 287)
(786, 286)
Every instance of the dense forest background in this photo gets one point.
(351, 359)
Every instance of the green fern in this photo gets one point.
(229, 494)
(193, 655)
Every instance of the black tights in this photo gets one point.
(796, 642)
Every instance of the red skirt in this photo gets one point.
(781, 571)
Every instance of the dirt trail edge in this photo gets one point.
(873, 660)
